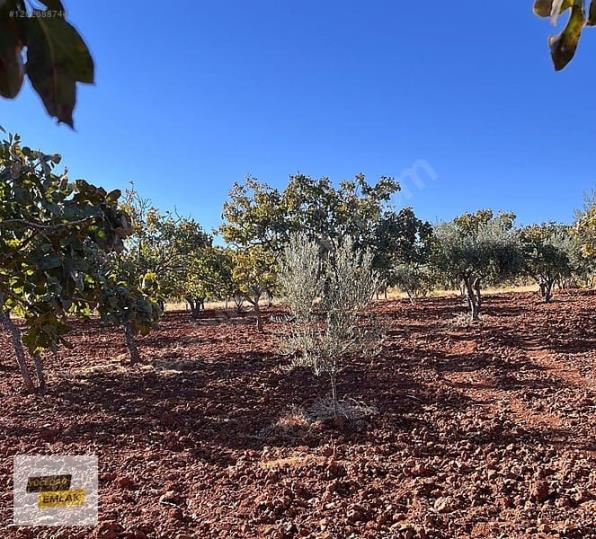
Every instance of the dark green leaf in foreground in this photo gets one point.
(57, 59)
(12, 71)
(564, 45)
(592, 14)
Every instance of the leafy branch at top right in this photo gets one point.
(564, 45)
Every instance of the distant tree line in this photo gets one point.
(69, 249)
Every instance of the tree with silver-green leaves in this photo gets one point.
(327, 293)
(474, 249)
(53, 232)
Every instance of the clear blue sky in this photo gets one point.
(191, 98)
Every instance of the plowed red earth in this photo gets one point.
(483, 431)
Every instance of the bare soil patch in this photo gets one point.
(481, 431)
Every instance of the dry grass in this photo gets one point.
(293, 462)
(391, 295)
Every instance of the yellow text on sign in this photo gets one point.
(61, 498)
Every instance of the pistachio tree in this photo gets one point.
(401, 246)
(327, 213)
(52, 233)
(208, 275)
(131, 305)
(547, 258)
(163, 244)
(253, 275)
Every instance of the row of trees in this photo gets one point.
(70, 249)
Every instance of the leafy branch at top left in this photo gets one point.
(42, 45)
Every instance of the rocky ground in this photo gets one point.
(482, 431)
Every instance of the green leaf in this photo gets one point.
(592, 15)
(564, 45)
(12, 71)
(58, 58)
(544, 8)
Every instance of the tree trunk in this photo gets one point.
(259, 316)
(477, 291)
(333, 380)
(238, 300)
(41, 379)
(546, 290)
(195, 305)
(17, 344)
(131, 345)
(472, 299)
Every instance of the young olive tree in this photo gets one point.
(475, 248)
(327, 293)
(52, 232)
(547, 257)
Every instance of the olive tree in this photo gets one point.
(327, 293)
(475, 248)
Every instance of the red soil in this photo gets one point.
(483, 431)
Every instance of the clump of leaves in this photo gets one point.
(564, 45)
(327, 293)
(547, 257)
(42, 45)
(475, 248)
(52, 235)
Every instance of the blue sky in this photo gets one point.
(192, 98)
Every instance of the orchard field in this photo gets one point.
(464, 430)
